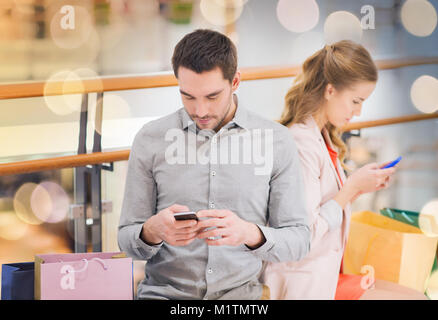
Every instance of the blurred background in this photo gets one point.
(52, 41)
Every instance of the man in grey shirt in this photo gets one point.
(239, 172)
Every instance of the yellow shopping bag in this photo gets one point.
(396, 251)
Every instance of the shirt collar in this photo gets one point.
(240, 116)
(186, 121)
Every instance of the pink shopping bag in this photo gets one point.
(83, 276)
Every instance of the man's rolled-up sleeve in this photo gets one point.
(139, 201)
(287, 234)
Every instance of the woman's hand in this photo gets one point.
(369, 178)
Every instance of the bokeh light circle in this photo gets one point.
(298, 15)
(66, 103)
(22, 204)
(217, 14)
(428, 219)
(67, 81)
(418, 17)
(49, 202)
(63, 81)
(342, 25)
(424, 94)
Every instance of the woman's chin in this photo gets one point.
(343, 123)
(339, 124)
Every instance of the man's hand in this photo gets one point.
(164, 227)
(231, 229)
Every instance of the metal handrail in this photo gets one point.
(36, 89)
(164, 79)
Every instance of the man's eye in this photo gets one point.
(212, 98)
(356, 102)
(189, 98)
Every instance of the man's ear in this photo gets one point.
(236, 81)
(329, 91)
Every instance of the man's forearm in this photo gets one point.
(131, 242)
(147, 234)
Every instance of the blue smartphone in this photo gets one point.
(390, 165)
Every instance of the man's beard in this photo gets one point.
(223, 118)
(225, 115)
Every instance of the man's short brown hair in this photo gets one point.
(204, 50)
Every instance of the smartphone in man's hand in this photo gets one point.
(189, 215)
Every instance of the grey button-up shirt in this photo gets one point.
(251, 167)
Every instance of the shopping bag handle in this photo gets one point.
(105, 267)
(406, 217)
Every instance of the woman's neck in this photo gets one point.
(320, 119)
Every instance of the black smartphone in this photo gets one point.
(189, 215)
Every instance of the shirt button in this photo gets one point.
(211, 205)
(213, 140)
(213, 173)
(210, 270)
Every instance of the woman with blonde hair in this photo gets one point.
(330, 90)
